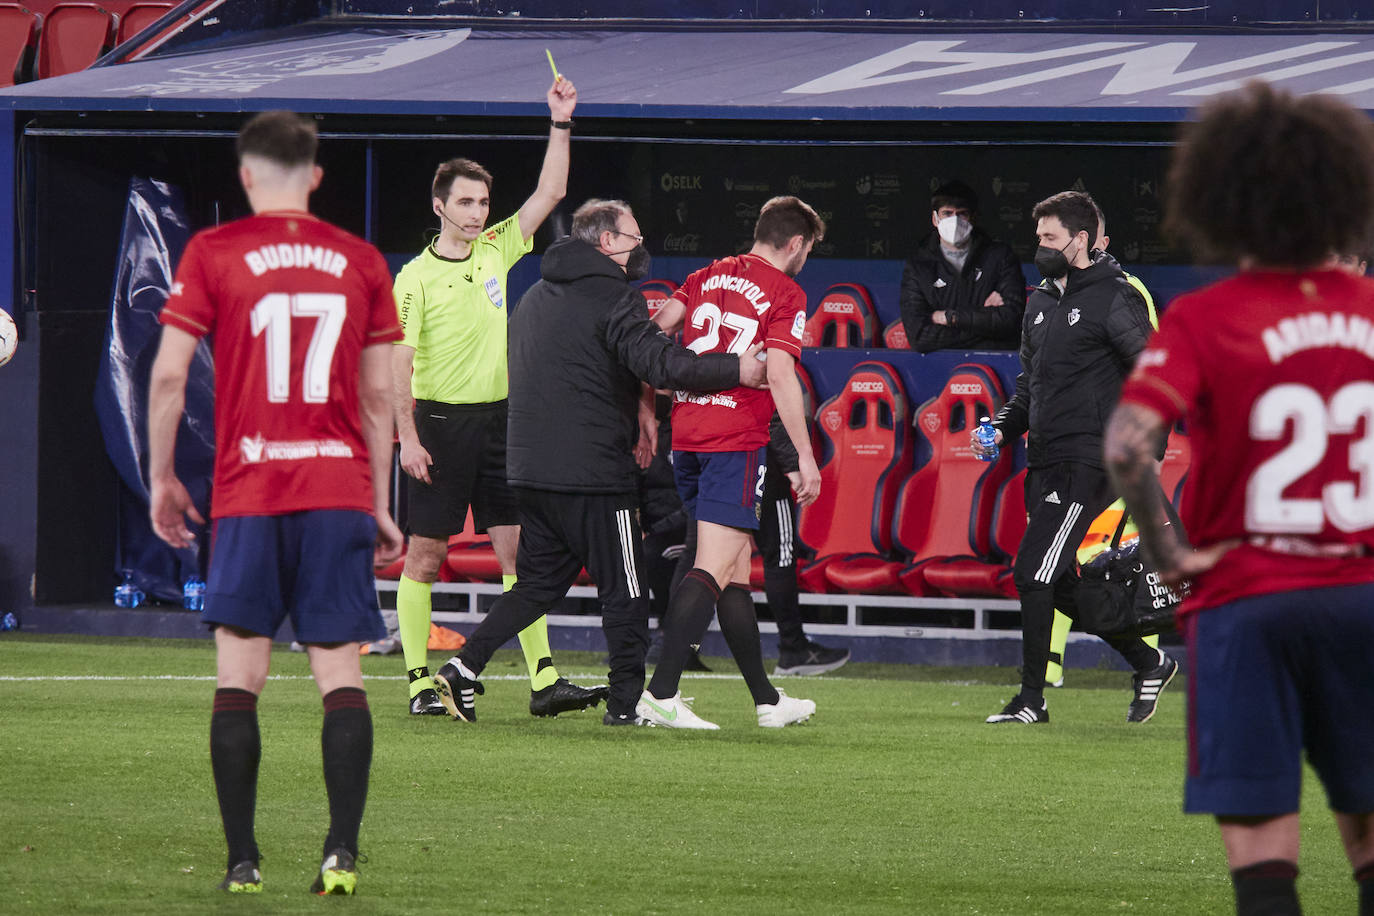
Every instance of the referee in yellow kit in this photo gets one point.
(450, 399)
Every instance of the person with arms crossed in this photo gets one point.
(451, 384)
(580, 343)
(719, 453)
(302, 318)
(962, 289)
(1273, 369)
(1083, 327)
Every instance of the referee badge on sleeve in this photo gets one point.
(493, 287)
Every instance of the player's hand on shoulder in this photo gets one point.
(390, 540)
(753, 368)
(415, 461)
(169, 506)
(562, 99)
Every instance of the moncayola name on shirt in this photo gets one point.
(746, 288)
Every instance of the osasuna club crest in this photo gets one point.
(931, 421)
(1074, 315)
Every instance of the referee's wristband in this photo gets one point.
(562, 125)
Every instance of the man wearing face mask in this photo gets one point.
(580, 343)
(1084, 325)
(961, 289)
(449, 379)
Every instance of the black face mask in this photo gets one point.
(637, 265)
(1052, 262)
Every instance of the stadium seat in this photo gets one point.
(656, 292)
(471, 558)
(74, 36)
(894, 336)
(19, 28)
(138, 17)
(845, 317)
(866, 435)
(945, 508)
(970, 577)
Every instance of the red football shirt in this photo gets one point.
(1274, 373)
(291, 302)
(732, 305)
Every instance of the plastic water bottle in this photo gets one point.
(193, 594)
(9, 622)
(127, 594)
(987, 438)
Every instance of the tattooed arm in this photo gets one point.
(1135, 434)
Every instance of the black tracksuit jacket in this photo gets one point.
(1076, 350)
(930, 284)
(579, 343)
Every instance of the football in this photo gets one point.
(9, 337)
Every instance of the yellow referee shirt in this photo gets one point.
(454, 316)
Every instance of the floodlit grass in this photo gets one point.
(896, 798)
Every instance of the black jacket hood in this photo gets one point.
(572, 259)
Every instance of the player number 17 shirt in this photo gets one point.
(291, 302)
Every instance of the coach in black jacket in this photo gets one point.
(580, 341)
(962, 289)
(1083, 328)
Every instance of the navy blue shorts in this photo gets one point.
(722, 487)
(315, 566)
(1272, 676)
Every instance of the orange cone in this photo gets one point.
(445, 639)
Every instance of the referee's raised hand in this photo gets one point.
(562, 98)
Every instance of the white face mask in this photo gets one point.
(954, 230)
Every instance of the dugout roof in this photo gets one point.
(738, 73)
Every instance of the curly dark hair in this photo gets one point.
(1266, 175)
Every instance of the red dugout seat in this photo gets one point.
(845, 317)
(968, 577)
(138, 17)
(894, 336)
(868, 437)
(74, 36)
(19, 29)
(945, 508)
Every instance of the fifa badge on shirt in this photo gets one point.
(493, 287)
(1074, 315)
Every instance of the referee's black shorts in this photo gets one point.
(467, 443)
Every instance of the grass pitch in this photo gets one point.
(896, 798)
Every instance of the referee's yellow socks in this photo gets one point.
(413, 608)
(534, 642)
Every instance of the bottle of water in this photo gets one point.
(127, 594)
(987, 438)
(193, 594)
